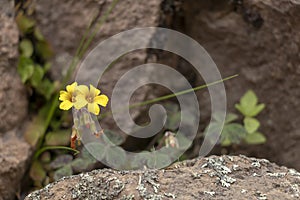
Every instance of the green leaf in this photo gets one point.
(233, 132)
(230, 118)
(44, 50)
(26, 48)
(24, 23)
(46, 88)
(61, 161)
(58, 138)
(158, 160)
(97, 150)
(249, 99)
(248, 105)
(34, 130)
(255, 138)
(25, 68)
(140, 160)
(80, 165)
(37, 76)
(114, 137)
(38, 34)
(37, 173)
(257, 109)
(115, 156)
(225, 142)
(62, 172)
(251, 124)
(173, 121)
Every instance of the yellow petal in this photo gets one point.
(94, 108)
(80, 101)
(63, 96)
(66, 105)
(83, 89)
(94, 91)
(102, 100)
(71, 88)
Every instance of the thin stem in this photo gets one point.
(40, 151)
(173, 95)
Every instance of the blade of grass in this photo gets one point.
(169, 96)
(41, 150)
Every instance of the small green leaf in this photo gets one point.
(114, 137)
(62, 172)
(37, 76)
(46, 88)
(37, 173)
(80, 165)
(34, 130)
(225, 142)
(58, 138)
(25, 68)
(248, 105)
(61, 161)
(97, 149)
(26, 48)
(257, 109)
(158, 160)
(24, 23)
(249, 99)
(233, 132)
(173, 121)
(230, 118)
(38, 34)
(255, 138)
(44, 50)
(251, 124)
(115, 156)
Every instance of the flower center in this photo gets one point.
(90, 99)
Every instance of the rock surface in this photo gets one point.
(14, 151)
(14, 154)
(260, 41)
(13, 100)
(226, 177)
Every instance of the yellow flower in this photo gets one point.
(67, 97)
(90, 97)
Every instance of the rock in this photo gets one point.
(13, 100)
(14, 151)
(225, 177)
(258, 40)
(14, 154)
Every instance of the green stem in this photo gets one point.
(40, 151)
(181, 92)
(174, 94)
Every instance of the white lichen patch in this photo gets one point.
(170, 195)
(295, 189)
(277, 174)
(235, 167)
(256, 163)
(243, 191)
(261, 196)
(221, 171)
(211, 193)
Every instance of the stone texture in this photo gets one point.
(14, 154)
(226, 177)
(14, 151)
(13, 100)
(260, 41)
